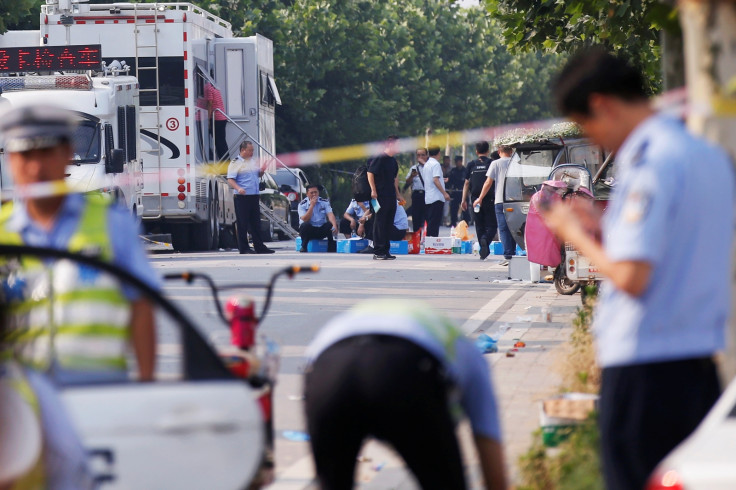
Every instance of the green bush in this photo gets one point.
(573, 465)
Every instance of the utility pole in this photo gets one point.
(709, 31)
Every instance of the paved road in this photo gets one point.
(476, 294)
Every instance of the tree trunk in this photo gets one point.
(709, 33)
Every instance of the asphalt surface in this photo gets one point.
(475, 294)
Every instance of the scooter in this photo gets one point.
(574, 271)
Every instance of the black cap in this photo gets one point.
(33, 127)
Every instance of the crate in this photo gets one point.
(399, 247)
(559, 416)
(467, 247)
(351, 246)
(313, 245)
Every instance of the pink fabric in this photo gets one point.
(212, 93)
(542, 247)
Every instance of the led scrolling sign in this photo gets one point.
(51, 58)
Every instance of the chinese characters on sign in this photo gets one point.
(50, 58)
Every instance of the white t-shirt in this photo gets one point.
(497, 171)
(431, 170)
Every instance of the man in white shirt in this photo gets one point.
(434, 191)
(497, 173)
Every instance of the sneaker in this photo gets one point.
(303, 249)
(390, 257)
(379, 257)
(265, 251)
(484, 249)
(503, 263)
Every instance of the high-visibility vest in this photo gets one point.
(35, 477)
(65, 311)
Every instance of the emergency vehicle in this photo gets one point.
(106, 152)
(174, 50)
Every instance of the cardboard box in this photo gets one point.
(457, 245)
(438, 245)
(519, 269)
(559, 416)
(313, 245)
(399, 248)
(351, 246)
(467, 247)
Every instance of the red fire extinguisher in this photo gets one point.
(240, 311)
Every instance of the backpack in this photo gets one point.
(361, 187)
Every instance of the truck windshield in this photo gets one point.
(527, 170)
(86, 143)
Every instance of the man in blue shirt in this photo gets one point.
(354, 218)
(668, 235)
(403, 373)
(316, 220)
(243, 175)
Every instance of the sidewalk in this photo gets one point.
(520, 382)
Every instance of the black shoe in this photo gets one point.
(303, 249)
(390, 257)
(265, 251)
(367, 250)
(379, 257)
(247, 251)
(484, 249)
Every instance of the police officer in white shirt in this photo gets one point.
(316, 220)
(668, 235)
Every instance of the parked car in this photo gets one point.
(705, 460)
(531, 164)
(278, 203)
(292, 182)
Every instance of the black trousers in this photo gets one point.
(456, 197)
(486, 225)
(434, 217)
(220, 140)
(345, 228)
(395, 234)
(389, 388)
(648, 409)
(418, 210)
(382, 224)
(248, 216)
(310, 232)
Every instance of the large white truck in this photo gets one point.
(174, 50)
(104, 99)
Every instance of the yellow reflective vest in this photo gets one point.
(65, 311)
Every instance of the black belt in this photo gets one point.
(419, 191)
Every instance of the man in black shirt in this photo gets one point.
(383, 178)
(455, 181)
(485, 217)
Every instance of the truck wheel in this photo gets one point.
(563, 285)
(268, 232)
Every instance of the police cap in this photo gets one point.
(33, 127)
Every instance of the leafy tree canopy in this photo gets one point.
(629, 27)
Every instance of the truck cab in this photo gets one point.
(105, 142)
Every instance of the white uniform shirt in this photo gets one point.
(431, 170)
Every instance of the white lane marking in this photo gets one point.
(480, 316)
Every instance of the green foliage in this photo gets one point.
(573, 465)
(19, 14)
(631, 28)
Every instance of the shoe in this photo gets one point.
(265, 251)
(484, 249)
(390, 257)
(303, 249)
(503, 263)
(247, 251)
(379, 257)
(367, 250)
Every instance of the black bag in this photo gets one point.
(361, 187)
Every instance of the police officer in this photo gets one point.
(662, 313)
(94, 317)
(485, 218)
(316, 220)
(416, 180)
(243, 176)
(354, 219)
(398, 371)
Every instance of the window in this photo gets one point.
(170, 79)
(86, 143)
